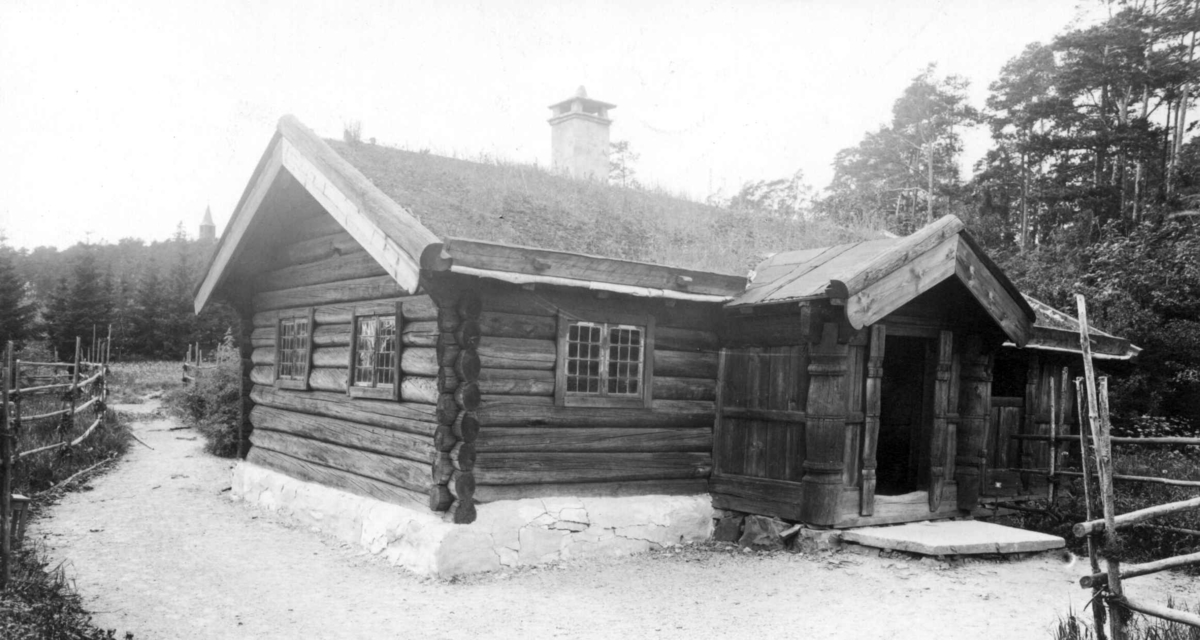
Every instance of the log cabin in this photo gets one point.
(391, 360)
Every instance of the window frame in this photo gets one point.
(375, 391)
(291, 315)
(645, 398)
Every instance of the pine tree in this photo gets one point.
(16, 312)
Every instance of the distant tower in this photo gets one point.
(579, 137)
(208, 230)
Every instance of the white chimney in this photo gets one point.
(579, 137)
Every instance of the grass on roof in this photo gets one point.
(527, 205)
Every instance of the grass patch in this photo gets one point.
(41, 603)
(212, 404)
(133, 382)
(1076, 626)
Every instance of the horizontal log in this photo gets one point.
(462, 485)
(419, 309)
(420, 361)
(440, 498)
(594, 440)
(328, 378)
(319, 225)
(263, 375)
(1141, 515)
(551, 467)
(419, 389)
(463, 456)
(521, 382)
(549, 301)
(391, 442)
(420, 334)
(338, 479)
(334, 245)
(495, 493)
(516, 353)
(673, 339)
(469, 305)
(1116, 476)
(443, 468)
(331, 335)
(467, 366)
(361, 289)
(497, 324)
(447, 409)
(535, 411)
(331, 356)
(444, 439)
(466, 427)
(467, 396)
(413, 418)
(447, 379)
(1172, 440)
(685, 364)
(1159, 611)
(1142, 569)
(344, 313)
(415, 476)
(264, 356)
(263, 337)
(338, 268)
(467, 334)
(669, 388)
(461, 512)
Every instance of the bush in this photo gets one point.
(1076, 627)
(212, 404)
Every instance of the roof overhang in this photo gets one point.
(391, 235)
(526, 265)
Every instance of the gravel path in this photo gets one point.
(158, 549)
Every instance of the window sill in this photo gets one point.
(296, 385)
(604, 401)
(373, 393)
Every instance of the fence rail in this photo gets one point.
(1096, 444)
(92, 363)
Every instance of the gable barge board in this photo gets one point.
(544, 262)
(991, 294)
(920, 274)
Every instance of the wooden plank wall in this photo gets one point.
(762, 430)
(529, 447)
(1029, 414)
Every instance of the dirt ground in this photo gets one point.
(157, 548)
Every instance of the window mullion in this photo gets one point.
(605, 345)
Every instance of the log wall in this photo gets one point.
(528, 446)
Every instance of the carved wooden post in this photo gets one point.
(825, 431)
(871, 411)
(1030, 426)
(941, 412)
(975, 409)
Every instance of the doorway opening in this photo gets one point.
(905, 416)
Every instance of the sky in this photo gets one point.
(126, 119)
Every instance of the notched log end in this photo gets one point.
(436, 257)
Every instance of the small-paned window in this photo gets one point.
(293, 349)
(375, 357)
(603, 363)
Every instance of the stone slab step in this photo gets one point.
(953, 537)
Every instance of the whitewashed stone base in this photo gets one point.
(509, 533)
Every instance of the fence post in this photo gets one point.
(1098, 616)
(1099, 428)
(69, 419)
(6, 456)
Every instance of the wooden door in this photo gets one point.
(760, 413)
(940, 436)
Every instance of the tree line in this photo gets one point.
(142, 290)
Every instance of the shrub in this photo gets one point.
(212, 404)
(1076, 627)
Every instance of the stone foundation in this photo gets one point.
(509, 533)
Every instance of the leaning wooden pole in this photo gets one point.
(72, 392)
(6, 460)
(1098, 616)
(1104, 472)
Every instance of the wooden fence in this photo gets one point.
(193, 363)
(77, 386)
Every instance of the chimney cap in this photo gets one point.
(581, 96)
